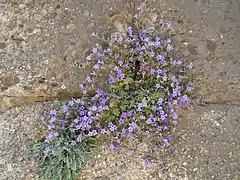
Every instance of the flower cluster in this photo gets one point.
(145, 86)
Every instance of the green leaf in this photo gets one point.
(116, 112)
(68, 175)
(57, 152)
(48, 173)
(144, 100)
(59, 177)
(68, 162)
(157, 95)
(74, 163)
(80, 163)
(126, 87)
(128, 80)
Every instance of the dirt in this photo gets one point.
(40, 43)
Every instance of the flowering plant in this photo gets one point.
(145, 84)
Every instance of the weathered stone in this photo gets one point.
(3, 45)
(10, 81)
(211, 45)
(121, 21)
(192, 49)
(210, 143)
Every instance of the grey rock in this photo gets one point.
(211, 46)
(2, 45)
(10, 80)
(210, 142)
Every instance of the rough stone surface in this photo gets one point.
(213, 28)
(209, 146)
(20, 127)
(45, 39)
(41, 40)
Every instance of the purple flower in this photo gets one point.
(121, 121)
(158, 86)
(161, 58)
(46, 150)
(88, 79)
(120, 39)
(179, 62)
(129, 114)
(112, 127)
(99, 91)
(116, 68)
(169, 47)
(160, 101)
(92, 133)
(152, 71)
(114, 148)
(52, 120)
(168, 25)
(152, 54)
(73, 142)
(175, 116)
(76, 121)
(132, 127)
(147, 163)
(65, 108)
(103, 131)
(185, 97)
(94, 108)
(157, 43)
(149, 121)
(189, 88)
(100, 62)
(89, 57)
(78, 127)
(167, 140)
(84, 91)
(143, 48)
(81, 86)
(55, 134)
(96, 66)
(175, 102)
(124, 115)
(120, 75)
(111, 104)
(168, 41)
(154, 108)
(147, 132)
(151, 43)
(50, 136)
(147, 39)
(53, 112)
(94, 50)
(71, 103)
(185, 100)
(164, 78)
(79, 138)
(155, 148)
(120, 63)
(142, 35)
(111, 80)
(129, 30)
(123, 132)
(190, 66)
(158, 38)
